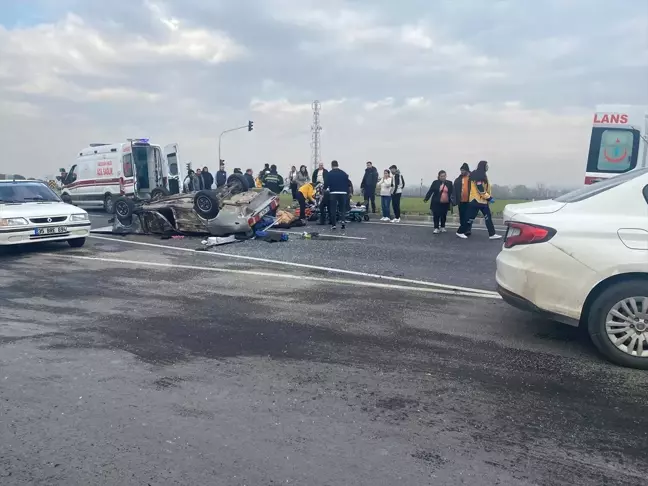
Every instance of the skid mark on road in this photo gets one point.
(423, 283)
(256, 273)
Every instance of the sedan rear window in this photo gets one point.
(594, 189)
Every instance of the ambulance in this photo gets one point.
(618, 143)
(135, 168)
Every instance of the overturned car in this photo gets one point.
(230, 209)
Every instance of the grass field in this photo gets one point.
(416, 207)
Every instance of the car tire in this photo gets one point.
(66, 198)
(77, 242)
(159, 193)
(206, 204)
(124, 208)
(598, 317)
(109, 204)
(366, 217)
(237, 180)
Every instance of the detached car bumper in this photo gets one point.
(21, 236)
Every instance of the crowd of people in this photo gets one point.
(470, 192)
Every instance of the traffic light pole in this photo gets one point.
(220, 137)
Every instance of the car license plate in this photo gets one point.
(264, 211)
(50, 230)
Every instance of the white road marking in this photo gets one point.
(489, 293)
(256, 273)
(431, 225)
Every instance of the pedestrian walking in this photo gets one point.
(208, 179)
(398, 183)
(480, 198)
(439, 195)
(461, 194)
(337, 183)
(385, 195)
(368, 186)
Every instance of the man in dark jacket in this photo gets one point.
(319, 175)
(337, 183)
(461, 196)
(368, 186)
(250, 178)
(273, 180)
(221, 176)
(208, 179)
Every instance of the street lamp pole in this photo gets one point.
(220, 137)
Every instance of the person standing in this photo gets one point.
(221, 176)
(250, 179)
(208, 179)
(368, 186)
(305, 193)
(385, 195)
(439, 195)
(398, 183)
(461, 190)
(302, 177)
(480, 197)
(319, 175)
(199, 183)
(292, 183)
(337, 183)
(273, 180)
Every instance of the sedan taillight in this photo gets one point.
(526, 234)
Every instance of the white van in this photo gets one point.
(135, 168)
(618, 143)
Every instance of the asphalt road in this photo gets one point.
(139, 361)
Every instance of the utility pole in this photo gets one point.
(316, 154)
(249, 126)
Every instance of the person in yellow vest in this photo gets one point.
(479, 199)
(305, 193)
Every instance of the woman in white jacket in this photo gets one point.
(385, 185)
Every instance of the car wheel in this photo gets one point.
(159, 193)
(618, 323)
(237, 183)
(77, 242)
(206, 204)
(109, 206)
(366, 217)
(124, 208)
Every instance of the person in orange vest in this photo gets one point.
(305, 193)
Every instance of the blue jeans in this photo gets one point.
(385, 203)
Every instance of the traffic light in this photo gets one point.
(250, 126)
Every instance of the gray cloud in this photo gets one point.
(512, 81)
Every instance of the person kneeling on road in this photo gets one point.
(305, 193)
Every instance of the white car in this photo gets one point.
(582, 259)
(31, 212)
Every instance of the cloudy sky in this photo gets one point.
(425, 84)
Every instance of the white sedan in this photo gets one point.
(31, 212)
(582, 259)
